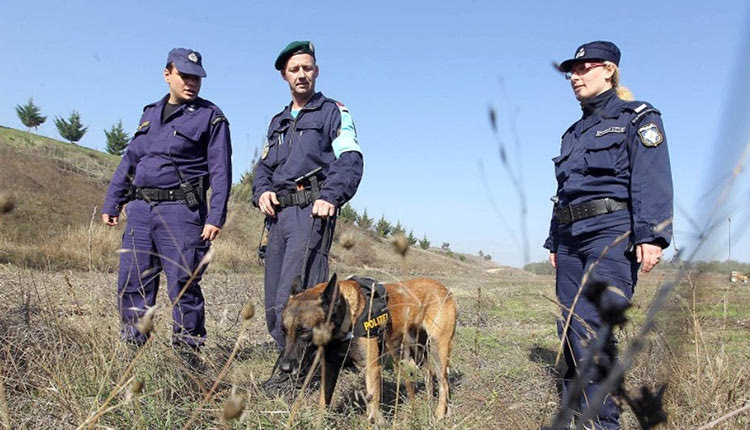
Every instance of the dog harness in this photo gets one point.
(375, 317)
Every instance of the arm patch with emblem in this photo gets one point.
(650, 135)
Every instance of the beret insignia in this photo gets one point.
(650, 135)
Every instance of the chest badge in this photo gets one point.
(600, 133)
(650, 135)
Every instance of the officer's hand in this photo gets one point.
(109, 219)
(648, 255)
(553, 259)
(323, 209)
(266, 202)
(210, 232)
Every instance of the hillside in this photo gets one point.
(59, 188)
(62, 360)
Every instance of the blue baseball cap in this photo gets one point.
(187, 61)
(600, 50)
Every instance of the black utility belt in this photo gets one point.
(160, 194)
(573, 213)
(299, 198)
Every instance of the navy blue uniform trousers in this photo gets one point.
(162, 236)
(618, 268)
(293, 235)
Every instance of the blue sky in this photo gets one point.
(418, 78)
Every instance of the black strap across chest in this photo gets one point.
(375, 317)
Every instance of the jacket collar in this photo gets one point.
(313, 104)
(608, 105)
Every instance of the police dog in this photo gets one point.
(420, 310)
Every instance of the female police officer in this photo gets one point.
(613, 207)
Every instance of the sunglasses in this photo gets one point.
(581, 69)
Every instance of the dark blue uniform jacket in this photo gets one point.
(195, 139)
(296, 146)
(619, 152)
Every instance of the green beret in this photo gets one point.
(294, 48)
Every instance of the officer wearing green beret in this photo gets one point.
(311, 166)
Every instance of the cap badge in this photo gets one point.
(192, 57)
(581, 52)
(311, 47)
(650, 135)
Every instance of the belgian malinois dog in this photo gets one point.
(421, 315)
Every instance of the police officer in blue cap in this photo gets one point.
(612, 211)
(181, 148)
(311, 165)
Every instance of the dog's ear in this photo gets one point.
(297, 285)
(330, 290)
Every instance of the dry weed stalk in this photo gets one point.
(320, 336)
(4, 414)
(91, 240)
(232, 408)
(7, 202)
(92, 420)
(248, 311)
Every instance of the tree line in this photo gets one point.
(72, 128)
(382, 227)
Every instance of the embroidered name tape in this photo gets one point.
(611, 130)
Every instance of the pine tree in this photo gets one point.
(30, 115)
(364, 221)
(424, 243)
(412, 239)
(383, 227)
(117, 139)
(348, 214)
(398, 228)
(71, 130)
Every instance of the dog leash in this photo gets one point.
(324, 239)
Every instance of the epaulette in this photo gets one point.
(218, 119)
(640, 109)
(568, 130)
(150, 105)
(341, 106)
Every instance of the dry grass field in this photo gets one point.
(62, 365)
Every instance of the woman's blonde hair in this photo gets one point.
(622, 91)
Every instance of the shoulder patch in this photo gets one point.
(218, 119)
(143, 125)
(650, 135)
